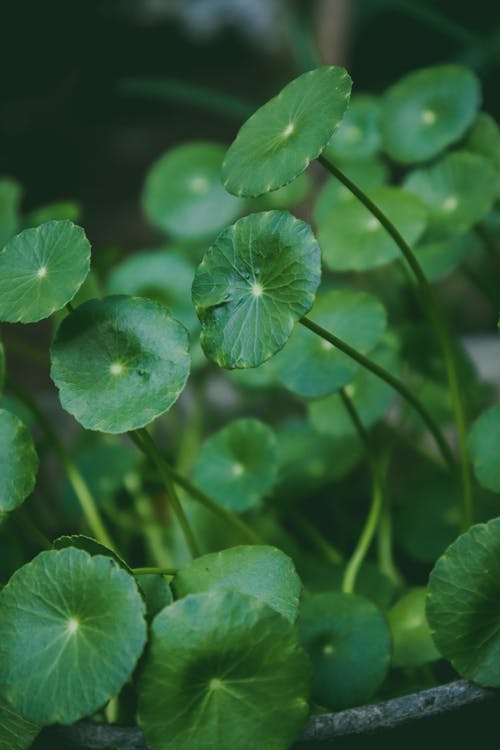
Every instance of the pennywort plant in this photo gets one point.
(215, 576)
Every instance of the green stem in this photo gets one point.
(393, 381)
(82, 492)
(371, 524)
(438, 323)
(146, 444)
(384, 546)
(154, 571)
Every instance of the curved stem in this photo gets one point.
(146, 444)
(154, 571)
(358, 556)
(392, 380)
(80, 487)
(440, 327)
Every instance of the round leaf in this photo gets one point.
(18, 462)
(280, 139)
(286, 197)
(349, 642)
(225, 656)
(439, 253)
(162, 275)
(370, 396)
(156, 592)
(71, 626)
(260, 571)
(53, 212)
(411, 637)
(253, 284)
(354, 240)
(184, 195)
(16, 733)
(41, 270)
(458, 190)
(311, 366)
(484, 439)
(358, 135)
(119, 363)
(427, 110)
(484, 138)
(463, 604)
(237, 465)
(93, 547)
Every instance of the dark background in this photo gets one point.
(68, 130)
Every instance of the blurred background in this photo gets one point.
(93, 91)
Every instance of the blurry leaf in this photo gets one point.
(412, 641)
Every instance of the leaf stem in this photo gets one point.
(369, 529)
(143, 440)
(438, 323)
(80, 487)
(393, 381)
(154, 571)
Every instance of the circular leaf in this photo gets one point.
(484, 439)
(358, 135)
(458, 190)
(441, 253)
(280, 139)
(463, 604)
(349, 642)
(18, 462)
(156, 592)
(260, 571)
(411, 637)
(119, 363)
(484, 138)
(16, 733)
(93, 547)
(311, 366)
(41, 270)
(354, 240)
(58, 211)
(237, 465)
(223, 654)
(184, 195)
(286, 197)
(253, 284)
(71, 626)
(370, 396)
(162, 275)
(427, 110)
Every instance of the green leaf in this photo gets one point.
(18, 462)
(58, 211)
(462, 604)
(71, 626)
(280, 139)
(349, 642)
(10, 198)
(162, 275)
(253, 284)
(428, 110)
(354, 240)
(224, 670)
(119, 363)
(93, 547)
(411, 637)
(334, 196)
(260, 571)
(358, 135)
(311, 366)
(370, 396)
(237, 465)
(16, 733)
(484, 138)
(156, 592)
(184, 196)
(458, 190)
(41, 270)
(484, 439)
